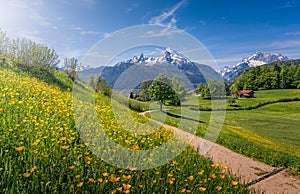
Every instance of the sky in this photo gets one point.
(230, 30)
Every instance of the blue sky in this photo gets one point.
(229, 29)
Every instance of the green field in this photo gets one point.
(270, 133)
(261, 96)
(42, 151)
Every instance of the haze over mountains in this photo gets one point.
(257, 59)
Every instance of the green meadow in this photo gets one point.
(269, 133)
(42, 150)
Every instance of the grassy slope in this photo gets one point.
(41, 151)
(269, 133)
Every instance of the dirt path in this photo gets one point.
(260, 177)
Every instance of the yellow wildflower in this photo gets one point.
(234, 183)
(201, 172)
(120, 189)
(105, 174)
(202, 189)
(190, 178)
(126, 177)
(112, 178)
(126, 186)
(91, 180)
(80, 184)
(33, 169)
(64, 147)
(20, 148)
(100, 180)
(26, 174)
(63, 138)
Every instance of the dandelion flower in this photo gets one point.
(202, 189)
(63, 138)
(80, 184)
(112, 178)
(91, 180)
(20, 148)
(64, 147)
(190, 178)
(26, 175)
(33, 169)
(126, 186)
(234, 183)
(126, 177)
(120, 189)
(105, 174)
(201, 172)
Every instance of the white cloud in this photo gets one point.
(82, 31)
(287, 4)
(90, 32)
(284, 44)
(167, 17)
(166, 32)
(292, 33)
(132, 7)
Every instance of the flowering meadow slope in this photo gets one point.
(42, 151)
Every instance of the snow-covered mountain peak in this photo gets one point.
(256, 59)
(138, 58)
(167, 56)
(171, 56)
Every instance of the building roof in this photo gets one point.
(246, 93)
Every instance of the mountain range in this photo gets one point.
(257, 59)
(141, 67)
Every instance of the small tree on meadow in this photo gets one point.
(163, 89)
(70, 67)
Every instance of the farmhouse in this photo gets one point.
(247, 93)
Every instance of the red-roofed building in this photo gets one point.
(247, 93)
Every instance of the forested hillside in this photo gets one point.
(282, 74)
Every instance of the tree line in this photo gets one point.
(28, 54)
(213, 89)
(278, 75)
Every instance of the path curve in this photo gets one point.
(260, 177)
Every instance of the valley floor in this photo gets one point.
(259, 177)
